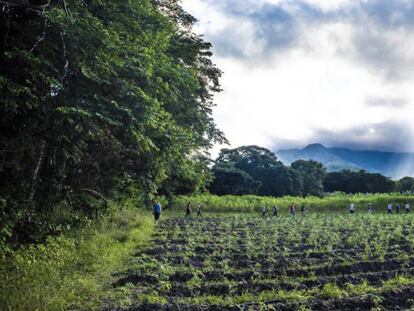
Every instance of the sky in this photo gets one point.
(336, 72)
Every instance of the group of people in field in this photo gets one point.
(390, 208)
(188, 210)
(292, 210)
(157, 210)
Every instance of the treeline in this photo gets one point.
(256, 170)
(100, 99)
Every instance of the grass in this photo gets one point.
(337, 202)
(73, 271)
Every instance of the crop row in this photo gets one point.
(261, 263)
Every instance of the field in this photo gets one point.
(333, 202)
(245, 262)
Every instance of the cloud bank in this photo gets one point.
(339, 72)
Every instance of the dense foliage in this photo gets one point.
(253, 170)
(405, 184)
(97, 97)
(256, 170)
(361, 181)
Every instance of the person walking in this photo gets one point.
(199, 210)
(398, 208)
(303, 210)
(352, 208)
(369, 208)
(292, 210)
(263, 211)
(157, 211)
(407, 208)
(274, 211)
(389, 208)
(188, 210)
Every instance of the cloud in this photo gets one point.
(338, 72)
(254, 31)
(387, 102)
(381, 36)
(392, 135)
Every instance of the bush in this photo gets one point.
(73, 270)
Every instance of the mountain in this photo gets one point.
(390, 164)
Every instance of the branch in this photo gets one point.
(96, 193)
(6, 36)
(66, 66)
(29, 7)
(41, 38)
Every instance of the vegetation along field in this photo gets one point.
(108, 107)
(246, 262)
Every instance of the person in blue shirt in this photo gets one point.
(157, 211)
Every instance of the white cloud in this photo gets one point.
(294, 70)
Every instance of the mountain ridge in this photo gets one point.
(392, 164)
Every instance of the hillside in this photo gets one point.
(391, 164)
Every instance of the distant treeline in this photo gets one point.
(255, 170)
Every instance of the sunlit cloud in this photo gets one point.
(295, 72)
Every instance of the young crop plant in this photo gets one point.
(332, 291)
(254, 263)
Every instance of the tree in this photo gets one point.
(249, 158)
(405, 184)
(231, 180)
(259, 164)
(361, 181)
(99, 95)
(312, 174)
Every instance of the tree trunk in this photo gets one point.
(36, 170)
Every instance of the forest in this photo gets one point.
(100, 100)
(256, 170)
(107, 108)
(106, 100)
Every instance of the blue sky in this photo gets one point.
(337, 72)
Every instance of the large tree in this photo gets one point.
(405, 184)
(358, 181)
(312, 174)
(231, 180)
(259, 164)
(97, 94)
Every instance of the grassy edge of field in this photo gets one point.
(73, 271)
(333, 202)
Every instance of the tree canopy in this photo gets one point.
(360, 181)
(259, 172)
(258, 164)
(101, 95)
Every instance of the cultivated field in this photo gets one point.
(317, 262)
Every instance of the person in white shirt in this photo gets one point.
(389, 208)
(407, 208)
(263, 211)
(370, 208)
(352, 208)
